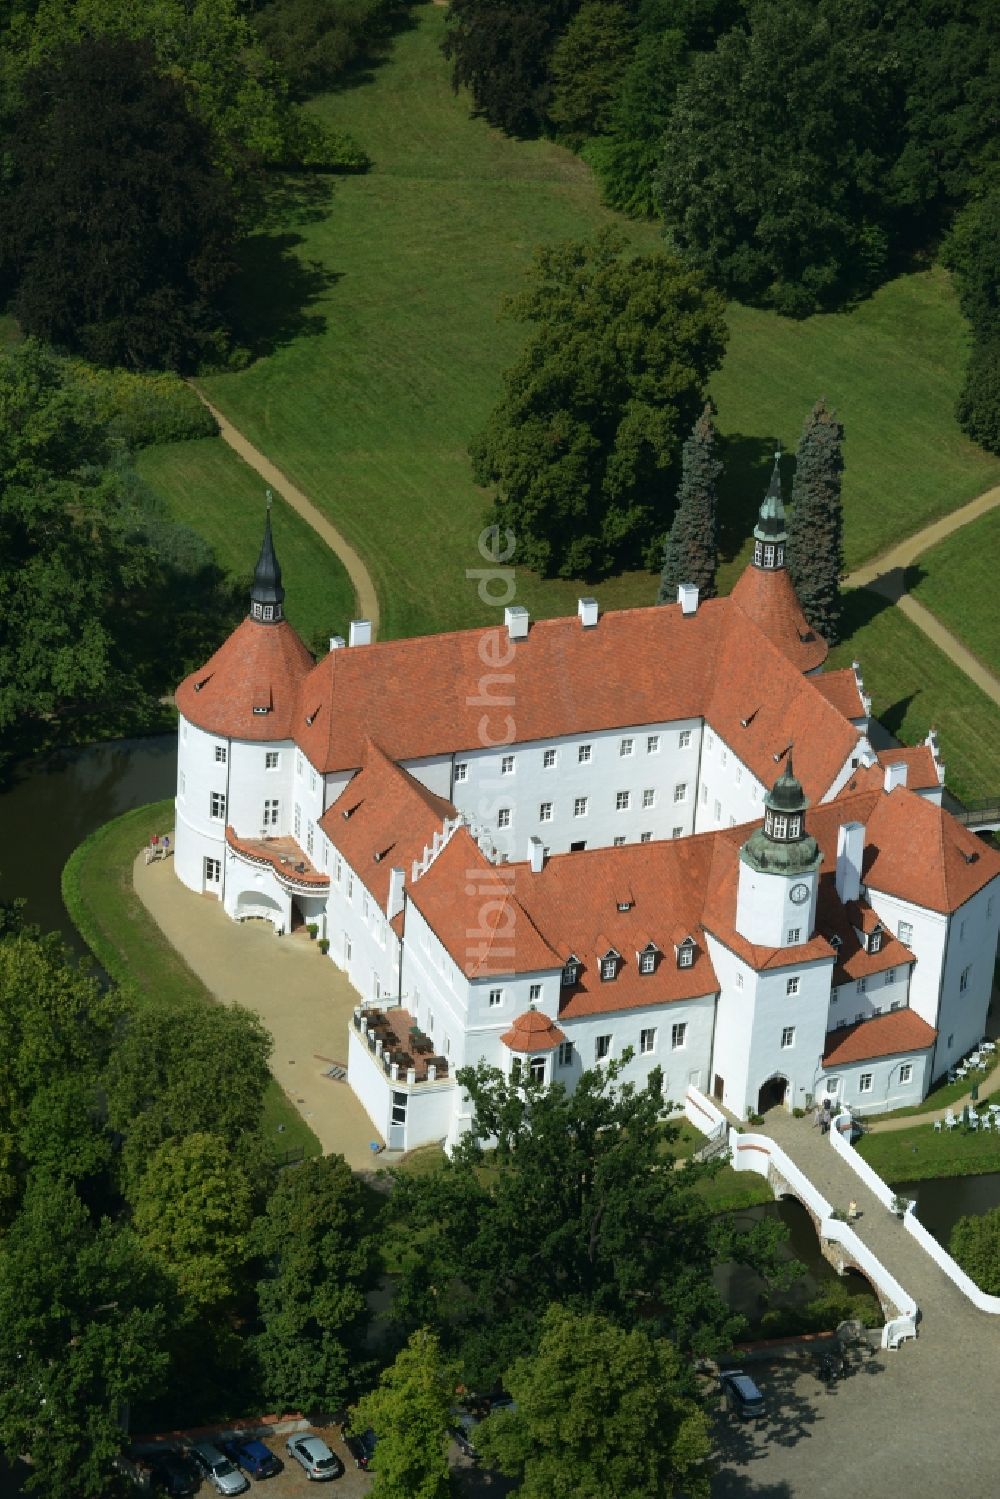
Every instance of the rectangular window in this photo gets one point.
(680, 791)
(182, 783)
(220, 753)
(537, 1069)
(609, 968)
(339, 869)
(297, 821)
(685, 956)
(399, 1108)
(894, 1005)
(890, 975)
(626, 747)
(549, 759)
(652, 744)
(218, 805)
(583, 754)
(461, 771)
(678, 1035)
(271, 812)
(645, 837)
(718, 811)
(906, 1072)
(963, 982)
(792, 985)
(350, 887)
(213, 871)
(298, 762)
(620, 841)
(602, 1048)
(580, 806)
(647, 1042)
(545, 812)
(623, 800)
(310, 837)
(496, 998)
(507, 765)
(565, 1053)
(649, 797)
(905, 931)
(676, 832)
(862, 985)
(503, 817)
(312, 779)
(534, 993)
(794, 933)
(270, 759)
(865, 1082)
(647, 962)
(684, 738)
(704, 794)
(739, 980)
(788, 1037)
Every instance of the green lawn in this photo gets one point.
(922, 1152)
(914, 686)
(101, 900)
(205, 484)
(955, 580)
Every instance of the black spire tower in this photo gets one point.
(267, 596)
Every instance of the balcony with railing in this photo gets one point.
(284, 858)
(401, 1049)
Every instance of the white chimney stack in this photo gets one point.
(850, 853)
(516, 618)
(895, 775)
(361, 632)
(687, 597)
(337, 642)
(536, 853)
(394, 900)
(588, 612)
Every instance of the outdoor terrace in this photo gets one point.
(395, 1039)
(283, 855)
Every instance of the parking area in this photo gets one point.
(293, 1479)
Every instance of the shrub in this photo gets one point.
(140, 410)
(978, 407)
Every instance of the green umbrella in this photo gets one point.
(974, 1092)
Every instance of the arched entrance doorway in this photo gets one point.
(772, 1094)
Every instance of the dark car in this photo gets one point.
(361, 1445)
(172, 1474)
(253, 1457)
(742, 1395)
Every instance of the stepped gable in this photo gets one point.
(921, 768)
(768, 598)
(918, 852)
(250, 688)
(575, 898)
(900, 1031)
(471, 908)
(760, 707)
(533, 1032)
(383, 818)
(840, 688)
(430, 695)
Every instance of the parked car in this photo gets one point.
(315, 1456)
(253, 1457)
(214, 1465)
(742, 1395)
(361, 1445)
(462, 1433)
(172, 1474)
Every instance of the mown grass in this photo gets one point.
(100, 897)
(923, 1152)
(378, 309)
(945, 1093)
(956, 579)
(209, 487)
(915, 687)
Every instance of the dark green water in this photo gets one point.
(941, 1203)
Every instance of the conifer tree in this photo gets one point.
(691, 549)
(816, 522)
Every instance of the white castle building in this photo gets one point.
(544, 844)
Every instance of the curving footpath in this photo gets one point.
(887, 576)
(364, 588)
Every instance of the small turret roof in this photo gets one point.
(267, 587)
(771, 521)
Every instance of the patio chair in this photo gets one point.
(986, 1121)
(961, 1070)
(949, 1120)
(973, 1119)
(938, 1126)
(987, 1046)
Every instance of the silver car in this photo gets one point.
(315, 1456)
(214, 1465)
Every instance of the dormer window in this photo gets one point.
(875, 940)
(685, 953)
(571, 972)
(609, 965)
(647, 957)
(836, 943)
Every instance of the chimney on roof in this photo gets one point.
(516, 618)
(361, 632)
(588, 612)
(394, 900)
(687, 597)
(536, 853)
(850, 853)
(895, 775)
(337, 642)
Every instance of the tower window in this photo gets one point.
(218, 805)
(779, 826)
(545, 812)
(963, 982)
(788, 1037)
(565, 1053)
(220, 754)
(794, 935)
(758, 552)
(268, 611)
(794, 827)
(769, 555)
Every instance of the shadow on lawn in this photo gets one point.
(273, 293)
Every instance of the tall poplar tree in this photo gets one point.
(816, 522)
(691, 551)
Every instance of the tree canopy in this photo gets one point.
(975, 1243)
(410, 1411)
(816, 522)
(691, 552)
(585, 443)
(499, 50)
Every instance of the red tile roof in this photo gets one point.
(917, 851)
(532, 1032)
(900, 1031)
(766, 596)
(392, 818)
(853, 960)
(259, 666)
(921, 768)
(840, 688)
(283, 855)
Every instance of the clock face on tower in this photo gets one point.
(799, 893)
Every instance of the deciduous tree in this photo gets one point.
(691, 552)
(500, 51)
(816, 522)
(586, 440)
(975, 1243)
(410, 1413)
(588, 63)
(599, 1411)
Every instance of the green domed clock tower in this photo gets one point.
(779, 870)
